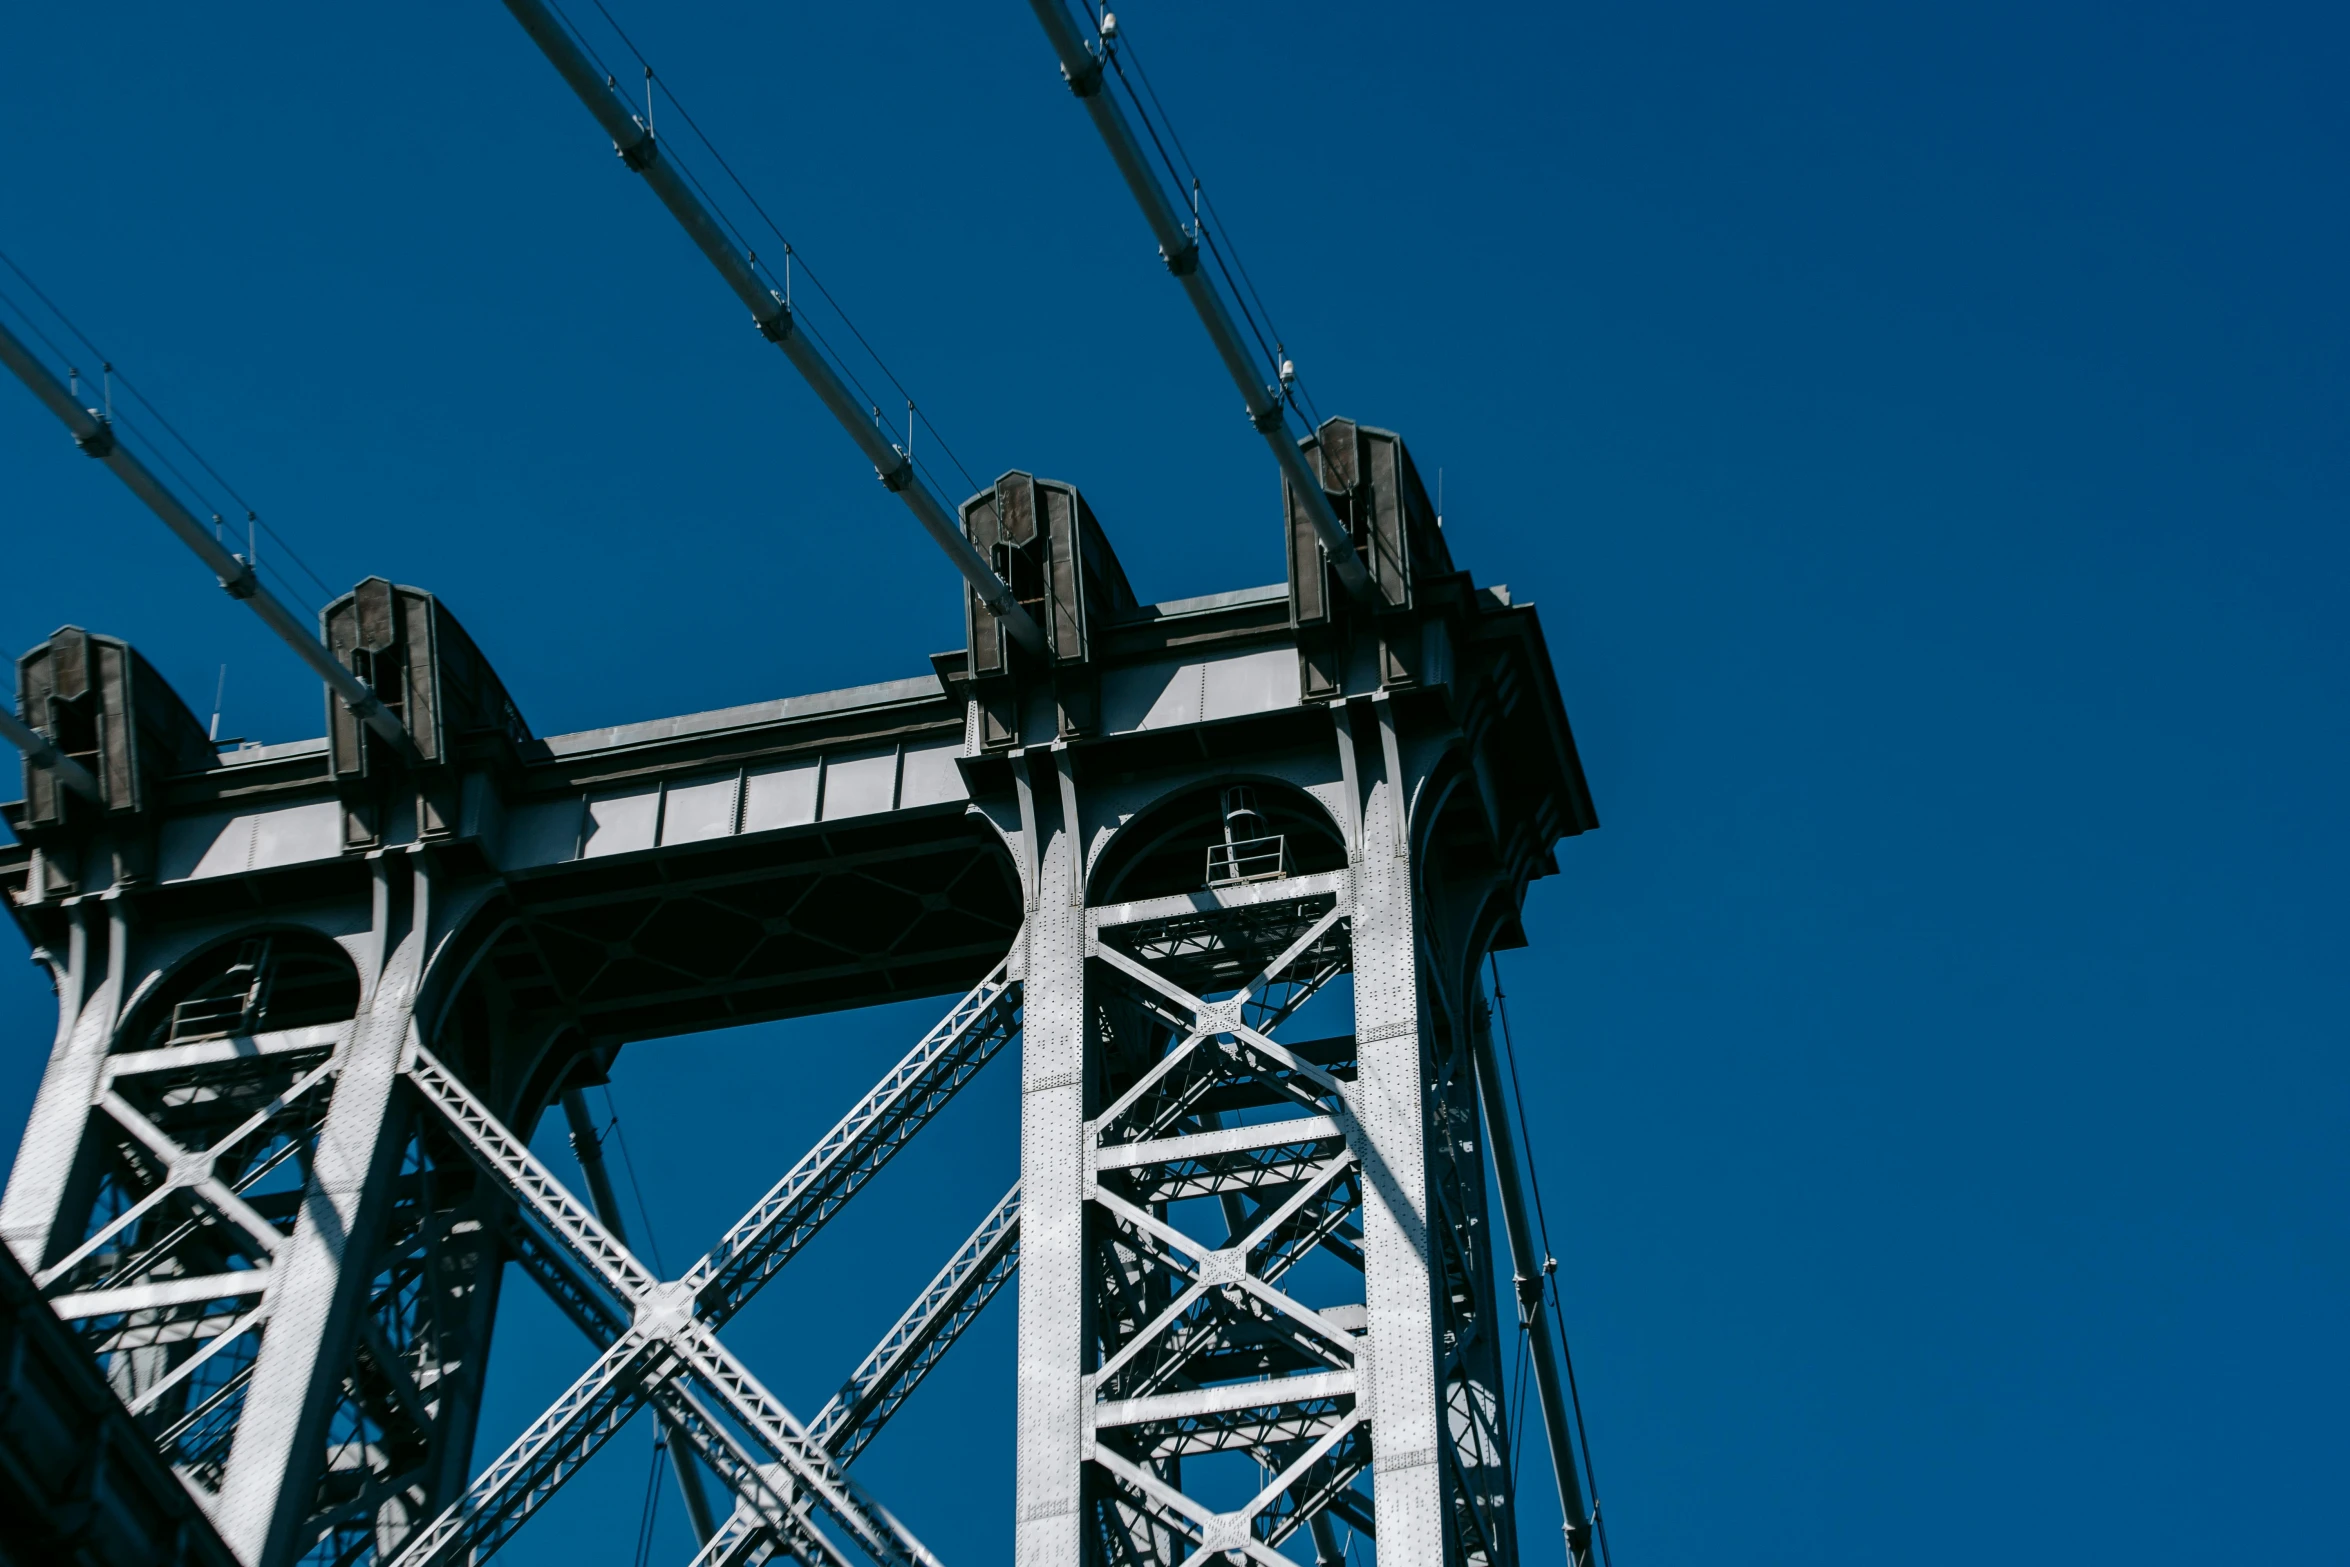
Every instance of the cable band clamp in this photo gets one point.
(1086, 80)
(99, 442)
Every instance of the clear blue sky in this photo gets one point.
(1922, 428)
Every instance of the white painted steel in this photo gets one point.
(670, 1324)
(1390, 1110)
(321, 1272)
(664, 1334)
(1054, 1273)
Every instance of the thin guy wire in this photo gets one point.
(1151, 128)
(157, 414)
(1190, 169)
(711, 147)
(32, 324)
(157, 454)
(839, 361)
(1203, 231)
(643, 1213)
(1175, 136)
(734, 231)
(650, 1509)
(1518, 1402)
(1550, 1278)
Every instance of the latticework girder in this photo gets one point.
(669, 1328)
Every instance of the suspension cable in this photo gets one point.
(155, 448)
(791, 250)
(1211, 233)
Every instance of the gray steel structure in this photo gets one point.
(312, 996)
(1224, 869)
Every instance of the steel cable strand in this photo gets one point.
(790, 249)
(128, 385)
(1311, 411)
(685, 170)
(1200, 234)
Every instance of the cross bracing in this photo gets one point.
(1242, 1163)
(891, 1371)
(1225, 869)
(666, 1331)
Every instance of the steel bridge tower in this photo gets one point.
(1225, 870)
(1220, 874)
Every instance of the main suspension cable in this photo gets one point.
(796, 259)
(1119, 48)
(154, 447)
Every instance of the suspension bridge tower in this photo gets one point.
(1218, 875)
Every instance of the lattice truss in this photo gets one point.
(188, 1183)
(659, 1342)
(191, 1177)
(1225, 1294)
(1224, 1235)
(1477, 1327)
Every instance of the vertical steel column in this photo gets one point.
(1390, 1108)
(322, 1273)
(1054, 1288)
(40, 1186)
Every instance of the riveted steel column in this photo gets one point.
(322, 1273)
(88, 1005)
(1390, 1107)
(1048, 1483)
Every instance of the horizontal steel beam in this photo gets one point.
(236, 1047)
(1231, 1398)
(1228, 1140)
(633, 140)
(161, 1293)
(95, 436)
(1212, 900)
